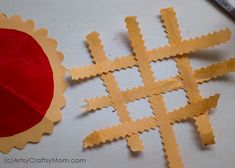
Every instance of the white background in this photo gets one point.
(70, 21)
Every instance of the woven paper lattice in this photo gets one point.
(188, 79)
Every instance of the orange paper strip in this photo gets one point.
(156, 101)
(186, 73)
(174, 83)
(145, 124)
(167, 51)
(115, 95)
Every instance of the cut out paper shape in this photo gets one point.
(145, 124)
(31, 83)
(186, 73)
(188, 79)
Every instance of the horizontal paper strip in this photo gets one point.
(167, 51)
(174, 83)
(141, 125)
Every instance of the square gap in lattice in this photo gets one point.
(128, 78)
(102, 118)
(164, 69)
(174, 100)
(94, 88)
(139, 109)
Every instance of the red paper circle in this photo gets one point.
(26, 82)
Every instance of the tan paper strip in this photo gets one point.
(186, 73)
(141, 125)
(174, 83)
(156, 101)
(167, 51)
(98, 54)
(214, 70)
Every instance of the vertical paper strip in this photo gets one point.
(98, 54)
(156, 101)
(187, 75)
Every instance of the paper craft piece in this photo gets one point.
(156, 101)
(187, 79)
(114, 91)
(31, 83)
(186, 73)
(174, 83)
(145, 124)
(123, 62)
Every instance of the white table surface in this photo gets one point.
(70, 21)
